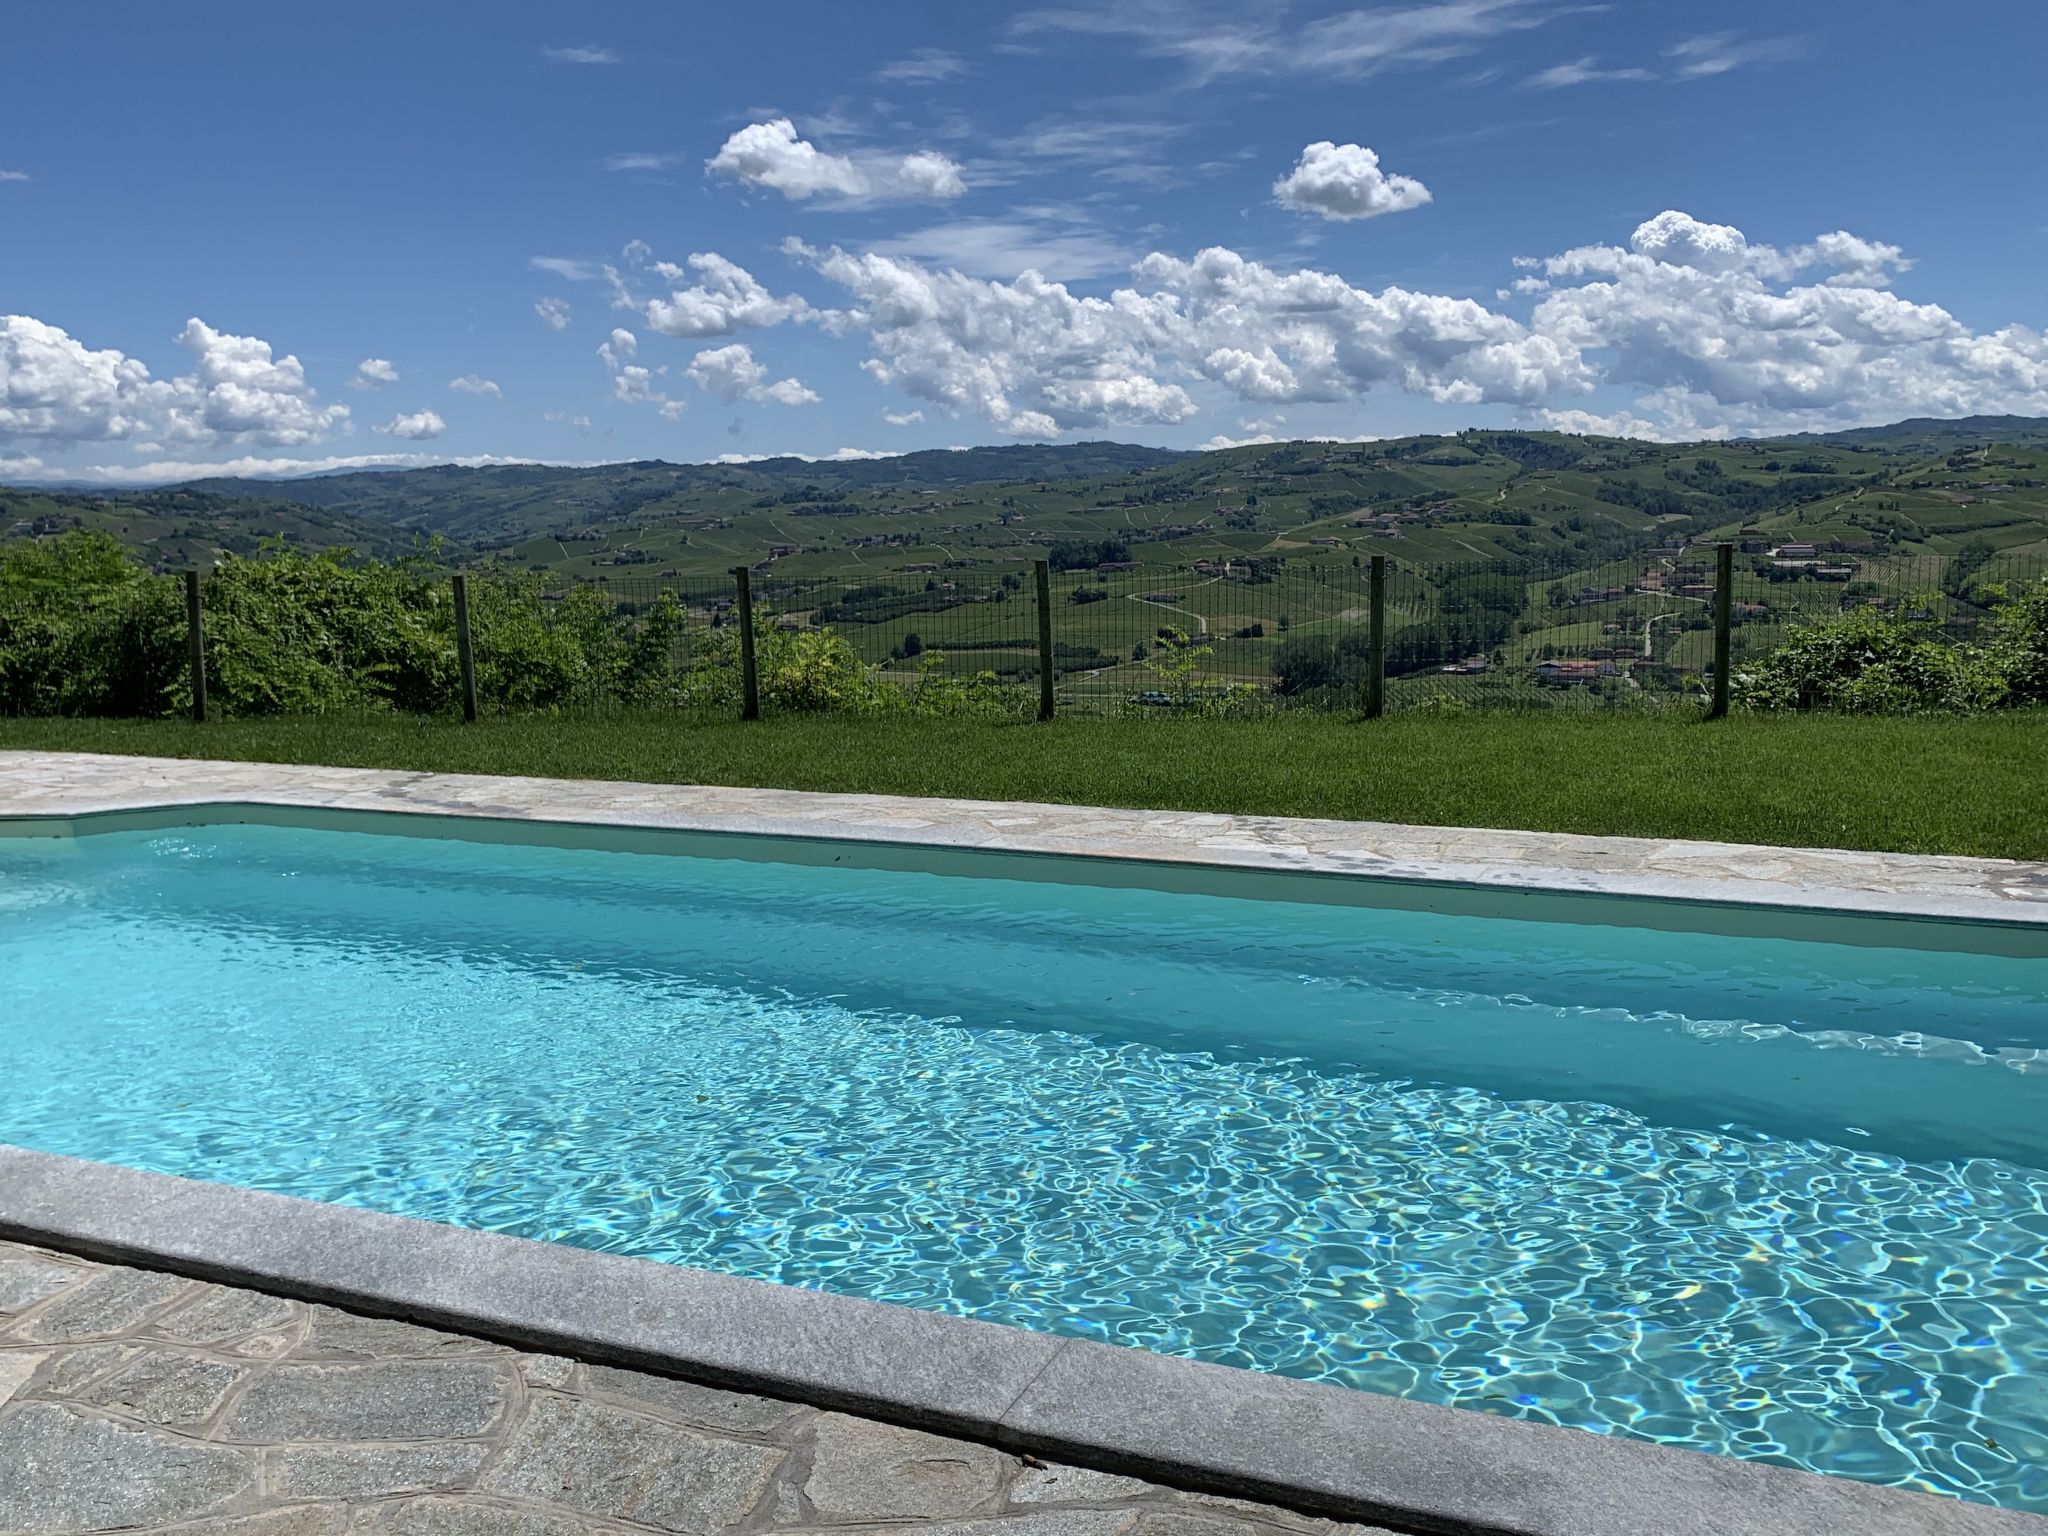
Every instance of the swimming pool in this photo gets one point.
(1784, 1199)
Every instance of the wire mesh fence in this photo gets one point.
(1306, 629)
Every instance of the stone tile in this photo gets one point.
(304, 1520)
(706, 1485)
(669, 1398)
(335, 1334)
(73, 1369)
(789, 1506)
(605, 1462)
(1056, 1484)
(67, 1473)
(1250, 1510)
(27, 1278)
(373, 1471)
(163, 1387)
(557, 1371)
(110, 1302)
(1035, 1522)
(262, 1346)
(472, 1517)
(1177, 1523)
(388, 1400)
(862, 1470)
(220, 1313)
(16, 1366)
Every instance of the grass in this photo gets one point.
(1967, 786)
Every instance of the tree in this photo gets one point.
(1318, 663)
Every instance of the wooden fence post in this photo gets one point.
(1376, 642)
(463, 653)
(195, 629)
(1724, 614)
(1042, 572)
(750, 681)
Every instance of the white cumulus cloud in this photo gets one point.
(903, 418)
(773, 155)
(1028, 355)
(927, 173)
(476, 384)
(1723, 335)
(1712, 333)
(1036, 360)
(239, 392)
(55, 389)
(1344, 181)
(711, 296)
(732, 373)
(415, 426)
(374, 373)
(554, 313)
(632, 381)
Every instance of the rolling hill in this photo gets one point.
(1932, 486)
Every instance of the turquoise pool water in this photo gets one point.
(1773, 1199)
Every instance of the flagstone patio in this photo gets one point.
(138, 1401)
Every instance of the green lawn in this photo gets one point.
(1976, 786)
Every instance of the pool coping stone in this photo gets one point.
(2009, 893)
(1321, 1449)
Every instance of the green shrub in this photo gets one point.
(84, 630)
(2018, 647)
(1867, 662)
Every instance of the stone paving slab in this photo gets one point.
(159, 1420)
(781, 1393)
(65, 784)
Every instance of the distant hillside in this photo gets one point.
(1013, 465)
(501, 501)
(179, 527)
(1923, 487)
(1933, 430)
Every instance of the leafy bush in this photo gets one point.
(1867, 662)
(812, 670)
(1080, 554)
(85, 630)
(1320, 663)
(2018, 648)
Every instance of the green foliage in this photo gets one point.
(982, 695)
(1174, 661)
(1307, 665)
(1867, 662)
(814, 671)
(2018, 648)
(84, 630)
(1081, 555)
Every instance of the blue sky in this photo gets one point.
(277, 238)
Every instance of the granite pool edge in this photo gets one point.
(2010, 894)
(1320, 1449)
